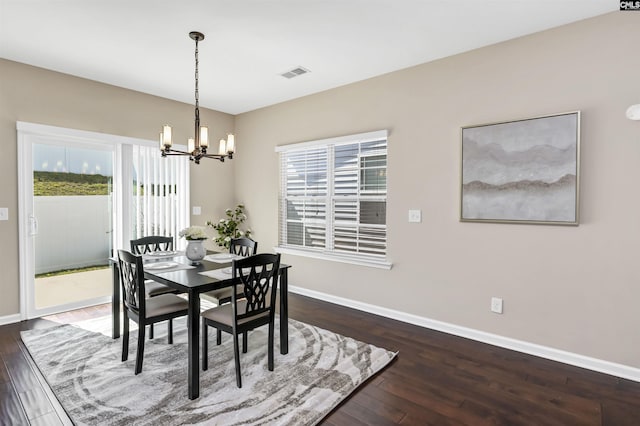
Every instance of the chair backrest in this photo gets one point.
(243, 246)
(150, 244)
(132, 281)
(258, 277)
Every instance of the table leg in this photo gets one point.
(284, 312)
(115, 301)
(194, 345)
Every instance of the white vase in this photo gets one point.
(195, 251)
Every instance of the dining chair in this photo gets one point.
(242, 246)
(148, 245)
(255, 279)
(142, 309)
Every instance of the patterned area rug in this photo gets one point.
(84, 370)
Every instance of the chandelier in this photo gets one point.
(198, 145)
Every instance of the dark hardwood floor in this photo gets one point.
(437, 379)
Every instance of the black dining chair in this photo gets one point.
(242, 246)
(255, 279)
(148, 245)
(142, 309)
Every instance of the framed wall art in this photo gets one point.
(522, 171)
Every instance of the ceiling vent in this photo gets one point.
(295, 72)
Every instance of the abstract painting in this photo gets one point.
(523, 171)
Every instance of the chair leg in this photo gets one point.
(244, 342)
(236, 353)
(270, 345)
(170, 331)
(218, 337)
(205, 345)
(150, 331)
(125, 338)
(140, 352)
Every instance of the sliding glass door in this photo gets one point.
(72, 214)
(82, 194)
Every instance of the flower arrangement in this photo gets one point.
(229, 227)
(193, 233)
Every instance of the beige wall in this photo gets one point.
(571, 288)
(39, 96)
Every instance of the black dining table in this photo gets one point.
(192, 282)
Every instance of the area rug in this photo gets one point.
(84, 370)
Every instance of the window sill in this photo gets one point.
(353, 260)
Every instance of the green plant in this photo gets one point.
(229, 227)
(59, 183)
(71, 271)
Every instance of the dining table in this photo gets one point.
(211, 273)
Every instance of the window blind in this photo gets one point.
(333, 195)
(160, 196)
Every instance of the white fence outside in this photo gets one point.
(73, 232)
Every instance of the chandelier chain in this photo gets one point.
(197, 92)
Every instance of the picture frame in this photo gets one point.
(522, 171)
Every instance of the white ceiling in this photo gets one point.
(144, 44)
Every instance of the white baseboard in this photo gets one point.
(606, 367)
(10, 319)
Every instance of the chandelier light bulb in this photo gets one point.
(204, 137)
(166, 136)
(231, 143)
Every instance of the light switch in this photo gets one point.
(196, 210)
(415, 216)
(4, 213)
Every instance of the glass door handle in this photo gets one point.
(33, 225)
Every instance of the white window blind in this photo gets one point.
(160, 199)
(333, 196)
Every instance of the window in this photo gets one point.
(333, 198)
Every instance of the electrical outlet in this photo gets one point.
(4, 213)
(496, 305)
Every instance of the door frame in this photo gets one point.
(27, 135)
